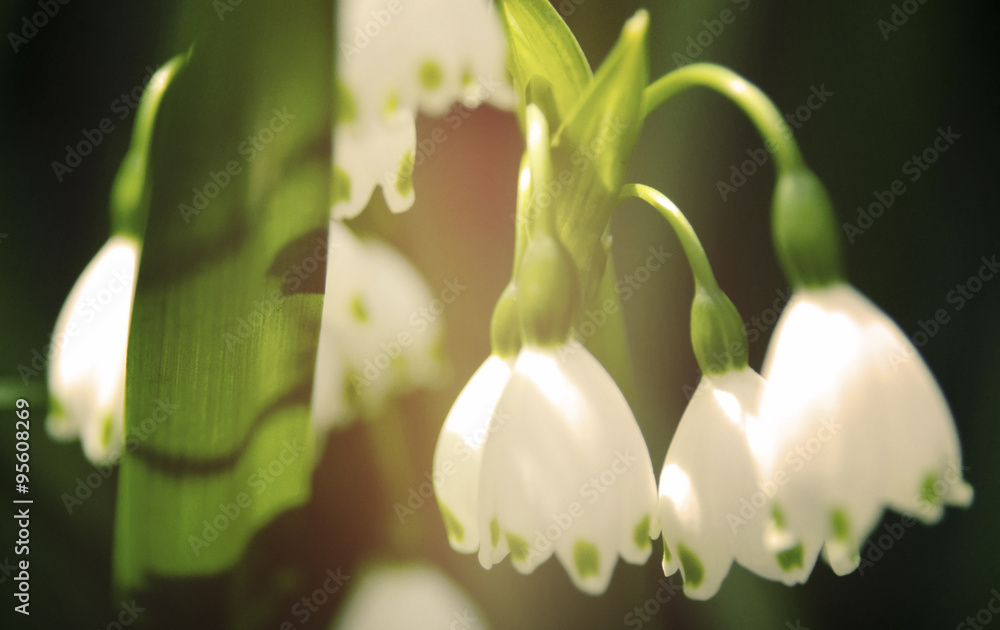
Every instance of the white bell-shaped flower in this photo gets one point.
(568, 471)
(713, 499)
(397, 59)
(86, 376)
(381, 330)
(459, 451)
(414, 596)
(854, 422)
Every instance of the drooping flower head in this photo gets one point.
(856, 422)
(396, 60)
(86, 375)
(374, 341)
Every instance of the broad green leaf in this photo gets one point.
(540, 45)
(220, 358)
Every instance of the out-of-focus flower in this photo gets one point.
(396, 60)
(414, 596)
(86, 376)
(374, 342)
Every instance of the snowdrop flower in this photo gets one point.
(375, 338)
(459, 451)
(567, 473)
(416, 596)
(712, 494)
(856, 422)
(397, 59)
(86, 376)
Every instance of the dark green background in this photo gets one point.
(889, 99)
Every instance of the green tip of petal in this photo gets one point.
(779, 517)
(839, 522)
(641, 534)
(666, 553)
(927, 490)
(430, 75)
(694, 571)
(585, 558)
(404, 179)
(494, 533)
(341, 185)
(358, 309)
(346, 109)
(106, 431)
(791, 559)
(452, 526)
(518, 547)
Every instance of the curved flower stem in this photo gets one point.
(754, 103)
(693, 251)
(540, 167)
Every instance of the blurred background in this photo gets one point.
(890, 88)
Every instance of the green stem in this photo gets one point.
(392, 458)
(695, 253)
(541, 216)
(757, 106)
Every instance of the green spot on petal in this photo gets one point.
(641, 534)
(391, 104)
(106, 431)
(790, 559)
(494, 532)
(841, 529)
(694, 572)
(430, 75)
(451, 524)
(518, 548)
(585, 558)
(927, 490)
(346, 109)
(666, 553)
(467, 78)
(779, 517)
(341, 185)
(358, 309)
(404, 179)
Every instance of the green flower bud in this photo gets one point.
(805, 230)
(718, 336)
(505, 327)
(548, 292)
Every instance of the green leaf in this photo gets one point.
(541, 46)
(592, 149)
(221, 357)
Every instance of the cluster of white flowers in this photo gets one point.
(765, 470)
